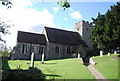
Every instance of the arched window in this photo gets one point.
(57, 49)
(41, 50)
(23, 48)
(68, 50)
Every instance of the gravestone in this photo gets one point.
(101, 53)
(78, 55)
(42, 58)
(92, 61)
(18, 66)
(32, 60)
(115, 52)
(108, 54)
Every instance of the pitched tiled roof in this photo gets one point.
(64, 37)
(33, 38)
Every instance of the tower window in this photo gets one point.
(77, 29)
(87, 29)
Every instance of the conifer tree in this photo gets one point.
(106, 29)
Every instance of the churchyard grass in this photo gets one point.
(57, 69)
(65, 69)
(108, 65)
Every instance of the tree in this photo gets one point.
(106, 29)
(3, 25)
(3, 29)
(63, 3)
(97, 31)
(7, 3)
(5, 53)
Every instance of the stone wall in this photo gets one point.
(63, 48)
(49, 51)
(84, 29)
(29, 48)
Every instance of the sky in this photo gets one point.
(33, 15)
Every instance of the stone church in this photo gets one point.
(53, 43)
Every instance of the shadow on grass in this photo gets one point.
(49, 63)
(59, 59)
(32, 73)
(52, 75)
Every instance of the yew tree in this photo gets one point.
(106, 29)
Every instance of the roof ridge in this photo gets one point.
(61, 29)
(30, 32)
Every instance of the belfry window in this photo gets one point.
(87, 29)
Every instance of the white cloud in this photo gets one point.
(24, 19)
(76, 15)
(71, 9)
(66, 19)
(68, 29)
(55, 9)
(36, 28)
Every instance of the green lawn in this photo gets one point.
(108, 65)
(58, 69)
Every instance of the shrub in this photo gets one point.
(19, 74)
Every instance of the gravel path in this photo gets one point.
(97, 75)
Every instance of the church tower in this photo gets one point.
(84, 29)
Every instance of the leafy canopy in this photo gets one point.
(106, 29)
(63, 3)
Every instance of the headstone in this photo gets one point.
(115, 52)
(101, 53)
(108, 54)
(92, 61)
(78, 55)
(43, 58)
(18, 66)
(32, 60)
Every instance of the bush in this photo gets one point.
(5, 54)
(19, 74)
